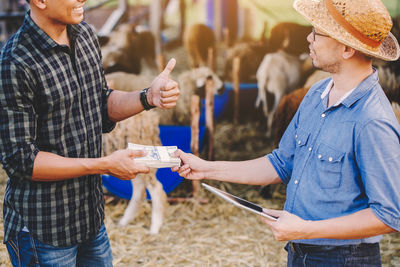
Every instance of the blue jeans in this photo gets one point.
(24, 250)
(362, 255)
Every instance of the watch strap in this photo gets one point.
(143, 99)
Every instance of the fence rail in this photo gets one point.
(11, 16)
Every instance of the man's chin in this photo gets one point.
(315, 65)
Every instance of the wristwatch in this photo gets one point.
(143, 99)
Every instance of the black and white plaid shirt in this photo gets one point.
(54, 99)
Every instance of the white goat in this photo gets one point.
(191, 82)
(278, 74)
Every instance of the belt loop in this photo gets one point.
(296, 248)
(291, 246)
(353, 249)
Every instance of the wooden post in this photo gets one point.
(210, 116)
(195, 118)
(155, 23)
(236, 87)
(218, 19)
(182, 9)
(263, 38)
(160, 58)
(194, 141)
(226, 37)
(211, 59)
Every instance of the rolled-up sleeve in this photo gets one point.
(378, 157)
(108, 125)
(282, 158)
(18, 121)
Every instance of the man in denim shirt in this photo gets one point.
(54, 106)
(340, 155)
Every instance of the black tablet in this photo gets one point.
(237, 201)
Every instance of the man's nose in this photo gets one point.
(310, 38)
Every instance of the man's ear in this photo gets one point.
(348, 52)
(41, 4)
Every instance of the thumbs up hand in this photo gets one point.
(164, 92)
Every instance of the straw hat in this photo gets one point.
(361, 24)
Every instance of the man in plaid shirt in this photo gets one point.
(54, 106)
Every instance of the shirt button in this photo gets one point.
(296, 182)
(299, 142)
(296, 136)
(323, 115)
(319, 156)
(310, 148)
(330, 159)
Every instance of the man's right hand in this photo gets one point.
(121, 164)
(192, 168)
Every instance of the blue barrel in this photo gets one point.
(172, 135)
(220, 104)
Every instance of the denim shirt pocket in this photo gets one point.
(301, 138)
(329, 166)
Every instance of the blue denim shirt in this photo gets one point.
(342, 159)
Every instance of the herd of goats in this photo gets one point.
(279, 65)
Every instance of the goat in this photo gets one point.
(190, 82)
(197, 39)
(125, 48)
(142, 129)
(290, 103)
(250, 54)
(278, 74)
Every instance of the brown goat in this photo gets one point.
(197, 39)
(291, 37)
(290, 103)
(125, 48)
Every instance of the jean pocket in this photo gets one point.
(329, 166)
(13, 252)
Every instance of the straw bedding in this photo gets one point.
(211, 234)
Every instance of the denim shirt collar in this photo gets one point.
(363, 88)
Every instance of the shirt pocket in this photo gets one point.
(329, 166)
(301, 138)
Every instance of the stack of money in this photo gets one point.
(157, 156)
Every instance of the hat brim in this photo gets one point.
(316, 13)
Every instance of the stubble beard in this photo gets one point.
(333, 67)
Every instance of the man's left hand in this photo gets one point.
(164, 92)
(287, 227)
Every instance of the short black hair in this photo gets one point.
(28, 1)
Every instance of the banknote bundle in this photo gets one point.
(157, 156)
